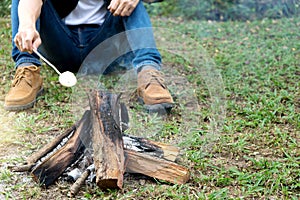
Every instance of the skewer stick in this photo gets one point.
(46, 61)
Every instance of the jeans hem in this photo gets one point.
(28, 60)
(147, 62)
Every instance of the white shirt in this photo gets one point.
(87, 12)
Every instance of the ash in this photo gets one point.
(84, 163)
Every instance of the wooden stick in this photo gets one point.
(156, 167)
(50, 146)
(79, 182)
(21, 168)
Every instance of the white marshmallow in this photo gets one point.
(67, 79)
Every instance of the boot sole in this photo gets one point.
(161, 108)
(26, 106)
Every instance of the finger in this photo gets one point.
(118, 11)
(17, 41)
(126, 11)
(113, 6)
(123, 7)
(19, 44)
(29, 40)
(37, 43)
(26, 44)
(129, 8)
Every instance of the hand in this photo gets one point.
(122, 7)
(27, 39)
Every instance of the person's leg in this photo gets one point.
(152, 89)
(27, 83)
(57, 46)
(147, 61)
(20, 58)
(140, 36)
(119, 36)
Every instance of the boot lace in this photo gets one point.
(154, 77)
(22, 74)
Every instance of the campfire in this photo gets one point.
(96, 150)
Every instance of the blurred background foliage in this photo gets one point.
(5, 7)
(223, 10)
(219, 10)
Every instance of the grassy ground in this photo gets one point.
(251, 70)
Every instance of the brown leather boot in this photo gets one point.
(153, 91)
(26, 87)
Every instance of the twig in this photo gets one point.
(76, 186)
(22, 168)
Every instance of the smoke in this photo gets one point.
(116, 51)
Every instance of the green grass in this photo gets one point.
(255, 154)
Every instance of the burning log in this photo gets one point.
(50, 146)
(156, 167)
(98, 141)
(152, 148)
(109, 157)
(48, 170)
(154, 159)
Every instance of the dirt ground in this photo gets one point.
(7, 134)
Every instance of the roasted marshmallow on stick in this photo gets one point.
(67, 79)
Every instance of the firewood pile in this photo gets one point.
(96, 150)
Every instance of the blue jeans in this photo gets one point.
(70, 48)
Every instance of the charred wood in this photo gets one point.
(50, 146)
(53, 166)
(156, 167)
(98, 138)
(107, 139)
